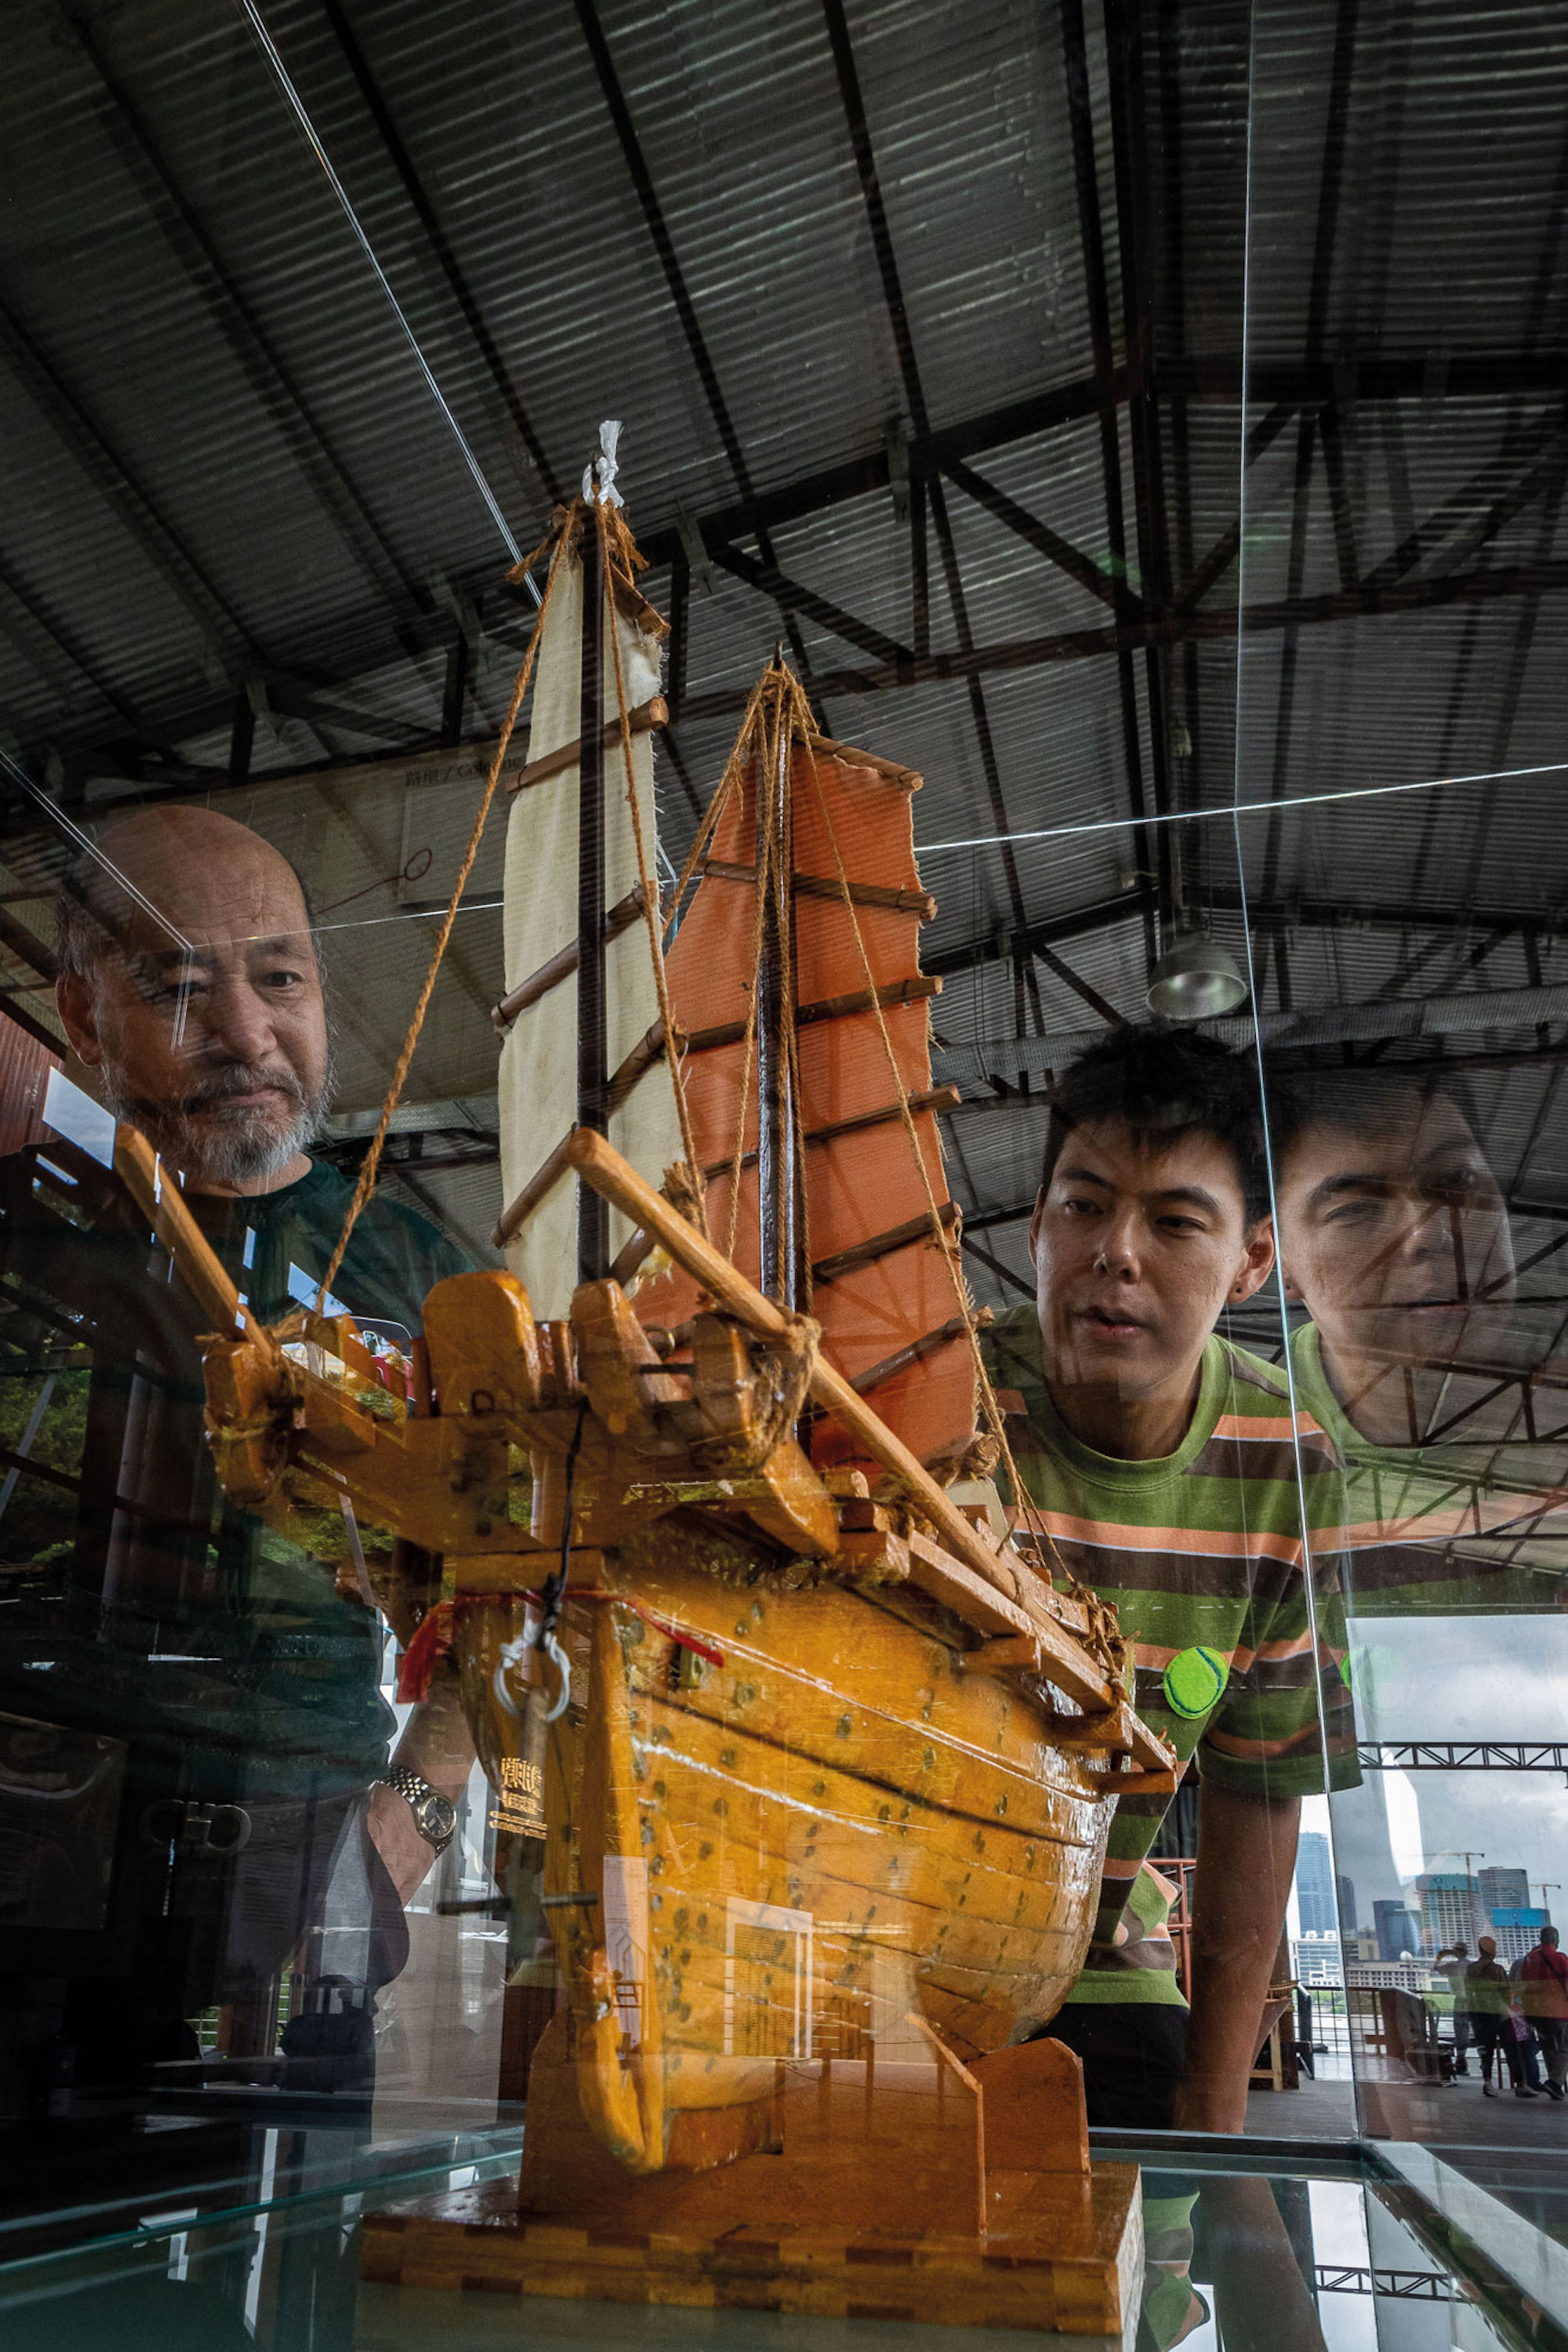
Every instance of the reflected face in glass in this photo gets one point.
(1394, 1234)
(216, 1049)
(1138, 1243)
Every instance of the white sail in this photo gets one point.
(539, 1056)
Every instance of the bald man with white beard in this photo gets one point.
(190, 986)
(238, 1671)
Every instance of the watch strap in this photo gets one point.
(417, 1793)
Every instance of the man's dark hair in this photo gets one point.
(1165, 1084)
(1360, 1102)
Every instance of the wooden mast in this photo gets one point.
(593, 1108)
(780, 1205)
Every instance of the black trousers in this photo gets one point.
(1133, 2052)
(1493, 2035)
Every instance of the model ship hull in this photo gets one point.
(781, 1823)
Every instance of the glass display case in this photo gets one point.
(782, 1403)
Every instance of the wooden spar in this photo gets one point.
(155, 1187)
(541, 1181)
(906, 779)
(940, 1099)
(647, 718)
(621, 916)
(601, 1167)
(876, 1246)
(913, 989)
(827, 886)
(916, 1350)
(592, 1222)
(964, 1571)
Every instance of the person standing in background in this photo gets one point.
(1544, 1978)
(1458, 1976)
(1485, 1991)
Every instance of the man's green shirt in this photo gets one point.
(149, 1607)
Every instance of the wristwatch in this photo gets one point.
(435, 1817)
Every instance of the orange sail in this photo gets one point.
(885, 1293)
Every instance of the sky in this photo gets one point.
(1454, 1678)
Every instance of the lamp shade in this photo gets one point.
(1195, 980)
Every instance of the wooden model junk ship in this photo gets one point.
(822, 1769)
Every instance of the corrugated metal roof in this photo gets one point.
(222, 464)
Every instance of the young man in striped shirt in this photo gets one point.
(1163, 1464)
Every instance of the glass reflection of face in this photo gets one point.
(1393, 1232)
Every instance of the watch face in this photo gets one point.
(437, 1817)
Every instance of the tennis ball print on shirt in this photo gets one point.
(1193, 1681)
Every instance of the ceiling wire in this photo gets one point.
(1246, 808)
(297, 107)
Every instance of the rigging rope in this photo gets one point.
(621, 560)
(1104, 1632)
(371, 1161)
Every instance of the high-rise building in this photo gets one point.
(1344, 1889)
(1397, 1929)
(1315, 1885)
(1317, 1959)
(1448, 1900)
(1504, 1890)
(1516, 1929)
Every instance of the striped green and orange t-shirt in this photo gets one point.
(1202, 1552)
(1471, 1525)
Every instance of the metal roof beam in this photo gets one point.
(1173, 278)
(1036, 938)
(790, 596)
(1003, 1274)
(1084, 645)
(1109, 390)
(1059, 551)
(1309, 382)
(1130, 144)
(295, 700)
(69, 648)
(1335, 914)
(1288, 388)
(1278, 919)
(240, 323)
(914, 395)
(981, 1221)
(1497, 508)
(679, 293)
(446, 260)
(219, 623)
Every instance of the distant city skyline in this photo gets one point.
(1456, 1678)
(1434, 1910)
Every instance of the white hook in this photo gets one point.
(599, 474)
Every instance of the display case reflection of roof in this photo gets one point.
(227, 480)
